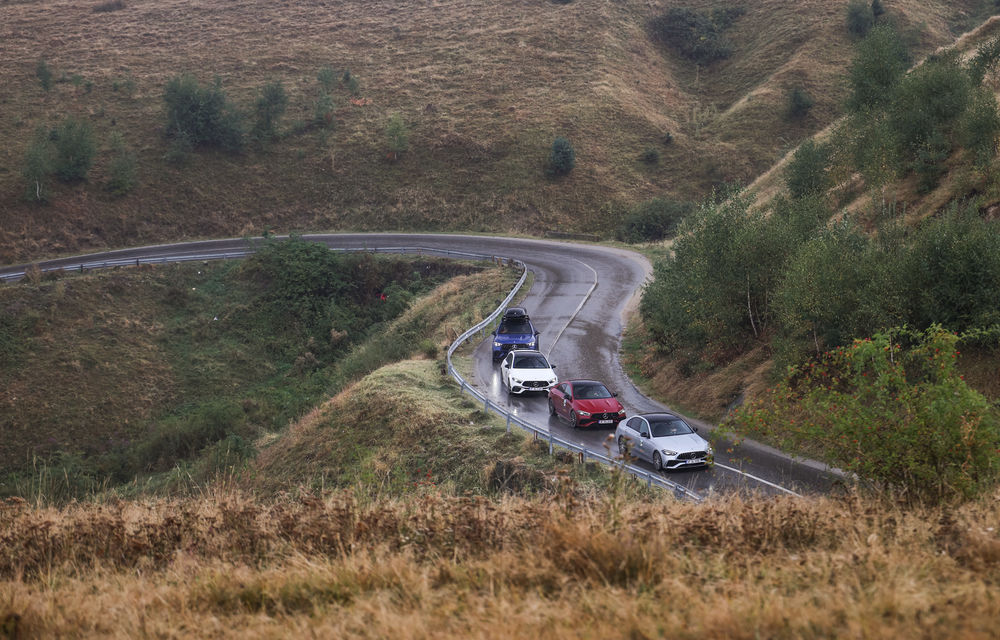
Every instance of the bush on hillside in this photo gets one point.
(123, 171)
(44, 74)
(202, 116)
(715, 292)
(653, 220)
(398, 136)
(798, 103)
(891, 409)
(39, 162)
(807, 172)
(562, 157)
(880, 60)
(74, 149)
(695, 35)
(270, 106)
(860, 18)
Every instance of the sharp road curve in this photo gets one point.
(580, 300)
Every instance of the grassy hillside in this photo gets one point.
(228, 564)
(483, 89)
(127, 374)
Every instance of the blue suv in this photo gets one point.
(515, 332)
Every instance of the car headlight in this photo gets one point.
(668, 452)
(497, 344)
(585, 414)
(515, 381)
(552, 382)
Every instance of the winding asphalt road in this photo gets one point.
(580, 301)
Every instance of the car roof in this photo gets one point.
(514, 312)
(659, 415)
(527, 352)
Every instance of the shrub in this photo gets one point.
(892, 409)
(650, 155)
(44, 74)
(75, 149)
(39, 162)
(653, 220)
(880, 60)
(695, 35)
(323, 111)
(668, 137)
(877, 9)
(350, 81)
(122, 172)
(562, 157)
(979, 127)
(398, 136)
(798, 103)
(110, 5)
(806, 173)
(860, 18)
(326, 78)
(270, 105)
(201, 115)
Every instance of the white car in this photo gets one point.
(663, 439)
(526, 370)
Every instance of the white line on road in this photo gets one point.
(578, 307)
(761, 480)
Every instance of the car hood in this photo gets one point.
(681, 444)
(533, 374)
(602, 405)
(505, 338)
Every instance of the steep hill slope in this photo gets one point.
(482, 87)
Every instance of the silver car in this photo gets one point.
(526, 370)
(663, 439)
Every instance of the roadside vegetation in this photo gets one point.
(786, 290)
(162, 377)
(229, 564)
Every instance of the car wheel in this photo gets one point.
(657, 461)
(573, 419)
(552, 408)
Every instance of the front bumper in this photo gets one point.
(530, 385)
(692, 459)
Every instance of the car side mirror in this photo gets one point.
(537, 332)
(645, 435)
(614, 394)
(695, 429)
(552, 366)
(506, 366)
(494, 332)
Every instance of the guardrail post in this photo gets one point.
(649, 480)
(508, 422)
(486, 405)
(550, 443)
(462, 388)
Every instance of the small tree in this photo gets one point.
(323, 115)
(75, 149)
(38, 166)
(44, 74)
(562, 158)
(877, 9)
(271, 104)
(798, 104)
(202, 115)
(879, 62)
(398, 135)
(326, 78)
(122, 173)
(806, 173)
(860, 18)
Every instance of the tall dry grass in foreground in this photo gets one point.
(230, 565)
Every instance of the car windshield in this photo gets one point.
(671, 427)
(514, 327)
(590, 391)
(533, 361)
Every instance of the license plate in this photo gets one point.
(605, 421)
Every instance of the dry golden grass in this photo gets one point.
(485, 86)
(230, 565)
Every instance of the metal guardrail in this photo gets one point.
(651, 479)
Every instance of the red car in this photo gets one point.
(586, 403)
